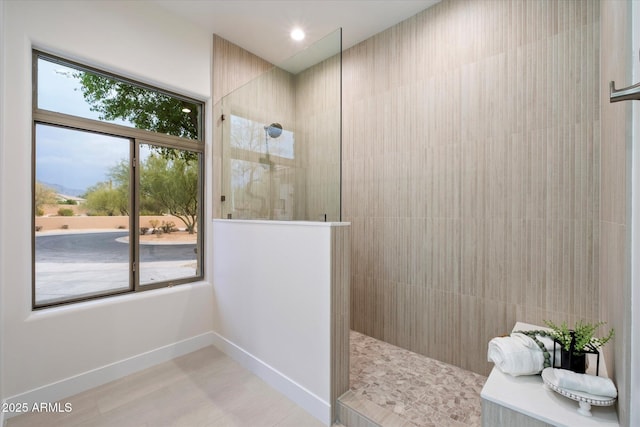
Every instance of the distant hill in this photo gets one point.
(64, 190)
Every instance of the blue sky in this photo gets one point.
(65, 157)
(74, 159)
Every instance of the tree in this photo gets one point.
(105, 200)
(144, 108)
(111, 197)
(43, 196)
(173, 184)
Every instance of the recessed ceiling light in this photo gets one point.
(297, 34)
(186, 110)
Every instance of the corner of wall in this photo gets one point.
(616, 212)
(2, 74)
(634, 374)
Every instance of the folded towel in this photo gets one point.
(516, 355)
(598, 386)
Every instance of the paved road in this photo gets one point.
(103, 247)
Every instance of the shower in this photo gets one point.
(274, 130)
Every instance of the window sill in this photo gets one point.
(116, 300)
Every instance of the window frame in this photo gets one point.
(136, 137)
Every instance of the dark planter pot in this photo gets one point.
(576, 363)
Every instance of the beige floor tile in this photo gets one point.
(203, 388)
(298, 417)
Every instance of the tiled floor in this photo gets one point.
(420, 391)
(203, 388)
(207, 388)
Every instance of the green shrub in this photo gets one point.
(39, 211)
(65, 212)
(168, 227)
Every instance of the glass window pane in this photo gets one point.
(65, 89)
(82, 205)
(169, 189)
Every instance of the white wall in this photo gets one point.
(2, 51)
(272, 304)
(41, 348)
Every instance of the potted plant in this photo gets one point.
(577, 342)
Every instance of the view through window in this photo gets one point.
(117, 185)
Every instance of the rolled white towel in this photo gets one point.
(598, 386)
(548, 342)
(516, 355)
(549, 345)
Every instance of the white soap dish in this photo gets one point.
(585, 400)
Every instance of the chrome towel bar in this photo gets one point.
(625, 94)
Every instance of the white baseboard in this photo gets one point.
(304, 398)
(87, 380)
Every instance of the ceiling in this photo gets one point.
(263, 26)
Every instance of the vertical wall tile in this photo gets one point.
(471, 153)
(482, 200)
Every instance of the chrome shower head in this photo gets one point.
(274, 130)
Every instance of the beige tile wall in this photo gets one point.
(317, 136)
(233, 67)
(340, 279)
(471, 157)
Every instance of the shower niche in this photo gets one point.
(281, 140)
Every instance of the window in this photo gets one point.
(117, 185)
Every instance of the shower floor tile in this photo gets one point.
(420, 390)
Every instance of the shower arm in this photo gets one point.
(625, 94)
(273, 130)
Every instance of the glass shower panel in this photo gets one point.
(282, 140)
